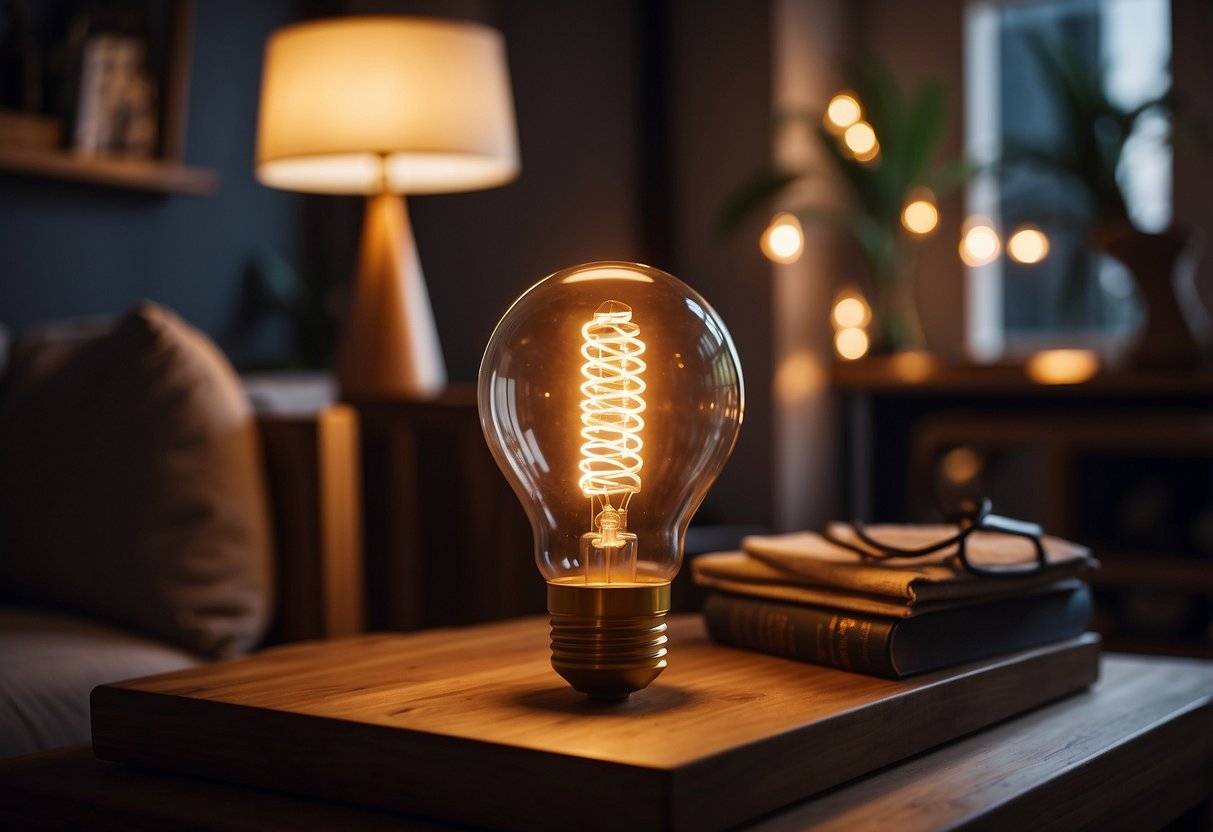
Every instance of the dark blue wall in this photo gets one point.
(68, 249)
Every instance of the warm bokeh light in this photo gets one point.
(1028, 245)
(851, 343)
(799, 378)
(870, 155)
(980, 244)
(1062, 366)
(961, 465)
(849, 311)
(920, 216)
(912, 366)
(783, 241)
(860, 139)
(842, 111)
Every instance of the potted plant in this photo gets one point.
(883, 156)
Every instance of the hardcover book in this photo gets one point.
(895, 647)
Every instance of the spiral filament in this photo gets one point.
(610, 410)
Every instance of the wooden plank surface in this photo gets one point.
(929, 376)
(1135, 748)
(156, 175)
(407, 722)
(1133, 752)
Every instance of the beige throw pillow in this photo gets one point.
(131, 485)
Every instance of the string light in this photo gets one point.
(783, 241)
(842, 111)
(851, 343)
(860, 139)
(850, 312)
(980, 244)
(1028, 245)
(920, 216)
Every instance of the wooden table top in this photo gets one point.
(406, 721)
(1136, 748)
(494, 684)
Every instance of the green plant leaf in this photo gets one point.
(759, 190)
(881, 101)
(879, 243)
(923, 129)
(1095, 129)
(867, 189)
(947, 178)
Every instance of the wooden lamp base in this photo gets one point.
(389, 343)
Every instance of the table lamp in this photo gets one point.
(386, 106)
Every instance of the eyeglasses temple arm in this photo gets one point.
(998, 523)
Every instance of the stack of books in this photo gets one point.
(804, 597)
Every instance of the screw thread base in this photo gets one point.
(609, 641)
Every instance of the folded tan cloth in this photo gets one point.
(804, 567)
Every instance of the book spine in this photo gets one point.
(828, 637)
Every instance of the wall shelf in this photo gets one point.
(164, 173)
(155, 175)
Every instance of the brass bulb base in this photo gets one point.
(609, 641)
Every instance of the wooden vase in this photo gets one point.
(1175, 334)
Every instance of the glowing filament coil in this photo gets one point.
(612, 404)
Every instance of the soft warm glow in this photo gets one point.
(1028, 245)
(783, 241)
(870, 155)
(403, 104)
(597, 273)
(799, 378)
(851, 343)
(912, 365)
(980, 243)
(1062, 366)
(860, 138)
(961, 465)
(610, 412)
(850, 312)
(920, 216)
(842, 111)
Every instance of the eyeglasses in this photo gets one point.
(973, 519)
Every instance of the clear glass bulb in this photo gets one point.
(611, 396)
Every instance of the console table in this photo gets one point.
(1135, 750)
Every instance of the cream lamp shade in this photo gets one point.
(406, 105)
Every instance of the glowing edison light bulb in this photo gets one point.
(610, 395)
